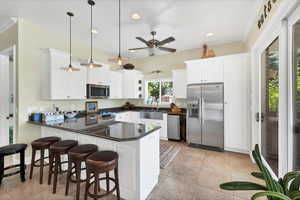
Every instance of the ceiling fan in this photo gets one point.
(155, 44)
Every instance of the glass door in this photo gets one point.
(270, 104)
(294, 33)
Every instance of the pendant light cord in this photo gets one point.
(70, 41)
(91, 33)
(119, 28)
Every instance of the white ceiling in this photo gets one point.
(187, 20)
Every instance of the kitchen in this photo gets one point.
(77, 59)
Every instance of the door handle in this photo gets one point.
(260, 117)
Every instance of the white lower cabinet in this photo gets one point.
(138, 160)
(134, 117)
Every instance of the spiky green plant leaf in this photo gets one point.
(295, 184)
(240, 185)
(276, 195)
(258, 175)
(294, 195)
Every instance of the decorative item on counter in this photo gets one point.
(36, 117)
(207, 53)
(91, 119)
(128, 106)
(128, 66)
(53, 117)
(91, 107)
(71, 115)
(174, 108)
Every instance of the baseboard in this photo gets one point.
(237, 150)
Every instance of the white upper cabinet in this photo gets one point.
(179, 83)
(133, 84)
(116, 80)
(99, 75)
(61, 84)
(209, 70)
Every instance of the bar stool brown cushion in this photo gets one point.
(82, 151)
(103, 160)
(45, 141)
(63, 145)
(12, 149)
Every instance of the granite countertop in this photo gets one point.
(94, 125)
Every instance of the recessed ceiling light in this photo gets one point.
(132, 51)
(95, 31)
(209, 34)
(136, 16)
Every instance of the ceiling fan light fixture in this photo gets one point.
(135, 16)
(95, 31)
(210, 34)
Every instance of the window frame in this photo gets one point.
(160, 84)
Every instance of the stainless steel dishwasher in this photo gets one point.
(174, 127)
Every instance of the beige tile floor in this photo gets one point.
(193, 175)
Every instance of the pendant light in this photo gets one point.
(70, 68)
(91, 63)
(119, 60)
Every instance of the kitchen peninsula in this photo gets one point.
(136, 144)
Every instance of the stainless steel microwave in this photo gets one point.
(97, 91)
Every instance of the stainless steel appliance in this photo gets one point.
(174, 127)
(205, 115)
(97, 91)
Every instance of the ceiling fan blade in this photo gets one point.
(165, 41)
(134, 49)
(142, 40)
(167, 49)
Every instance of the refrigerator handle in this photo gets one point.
(202, 110)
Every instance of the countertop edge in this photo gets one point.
(99, 136)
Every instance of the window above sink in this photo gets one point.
(158, 92)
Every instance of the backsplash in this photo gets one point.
(75, 105)
(140, 102)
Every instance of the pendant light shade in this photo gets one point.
(91, 63)
(70, 68)
(119, 60)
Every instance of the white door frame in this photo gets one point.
(7, 52)
(277, 27)
(292, 19)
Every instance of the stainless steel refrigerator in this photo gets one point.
(205, 115)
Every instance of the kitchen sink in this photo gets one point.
(151, 115)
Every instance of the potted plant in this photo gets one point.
(286, 188)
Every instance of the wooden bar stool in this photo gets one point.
(11, 150)
(41, 145)
(96, 164)
(76, 156)
(56, 151)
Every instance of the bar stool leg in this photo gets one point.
(87, 184)
(117, 182)
(50, 167)
(1, 168)
(78, 178)
(68, 176)
(22, 167)
(32, 162)
(107, 182)
(96, 186)
(42, 165)
(56, 166)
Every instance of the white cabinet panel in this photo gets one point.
(236, 98)
(133, 84)
(99, 75)
(179, 84)
(115, 83)
(205, 71)
(62, 84)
